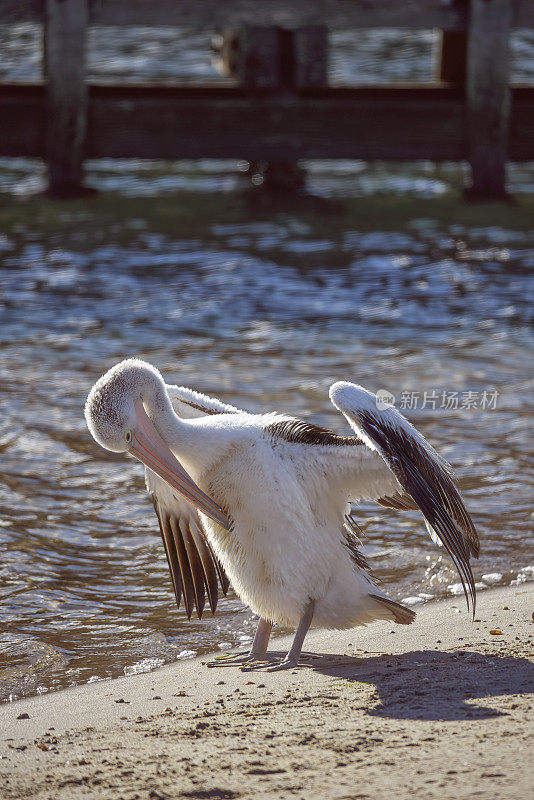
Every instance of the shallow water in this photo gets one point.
(264, 305)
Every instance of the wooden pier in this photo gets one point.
(280, 107)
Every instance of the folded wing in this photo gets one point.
(195, 570)
(424, 478)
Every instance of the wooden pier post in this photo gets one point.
(488, 97)
(310, 49)
(450, 57)
(64, 62)
(271, 58)
(259, 57)
(283, 60)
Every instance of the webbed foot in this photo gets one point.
(232, 660)
(287, 663)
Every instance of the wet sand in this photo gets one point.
(443, 709)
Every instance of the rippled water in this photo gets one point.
(137, 53)
(264, 305)
(267, 311)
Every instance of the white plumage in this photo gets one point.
(284, 487)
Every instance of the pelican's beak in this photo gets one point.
(149, 447)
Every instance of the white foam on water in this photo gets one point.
(145, 665)
(492, 577)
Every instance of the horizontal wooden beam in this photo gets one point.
(14, 11)
(23, 111)
(275, 127)
(385, 123)
(285, 13)
(448, 15)
(521, 130)
(444, 14)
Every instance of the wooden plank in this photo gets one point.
(15, 11)
(451, 57)
(389, 123)
(444, 14)
(310, 45)
(488, 96)
(374, 124)
(521, 135)
(65, 35)
(23, 115)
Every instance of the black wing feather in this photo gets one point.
(192, 563)
(428, 482)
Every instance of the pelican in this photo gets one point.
(262, 501)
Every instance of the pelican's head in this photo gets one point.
(117, 401)
(128, 411)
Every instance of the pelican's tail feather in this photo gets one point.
(400, 614)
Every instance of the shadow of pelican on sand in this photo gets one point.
(429, 684)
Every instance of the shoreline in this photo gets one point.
(203, 651)
(440, 708)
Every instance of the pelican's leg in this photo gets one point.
(292, 658)
(257, 651)
(261, 638)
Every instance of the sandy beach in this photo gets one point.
(443, 709)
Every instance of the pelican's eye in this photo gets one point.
(128, 437)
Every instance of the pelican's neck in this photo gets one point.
(190, 443)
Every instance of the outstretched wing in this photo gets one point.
(194, 567)
(424, 478)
